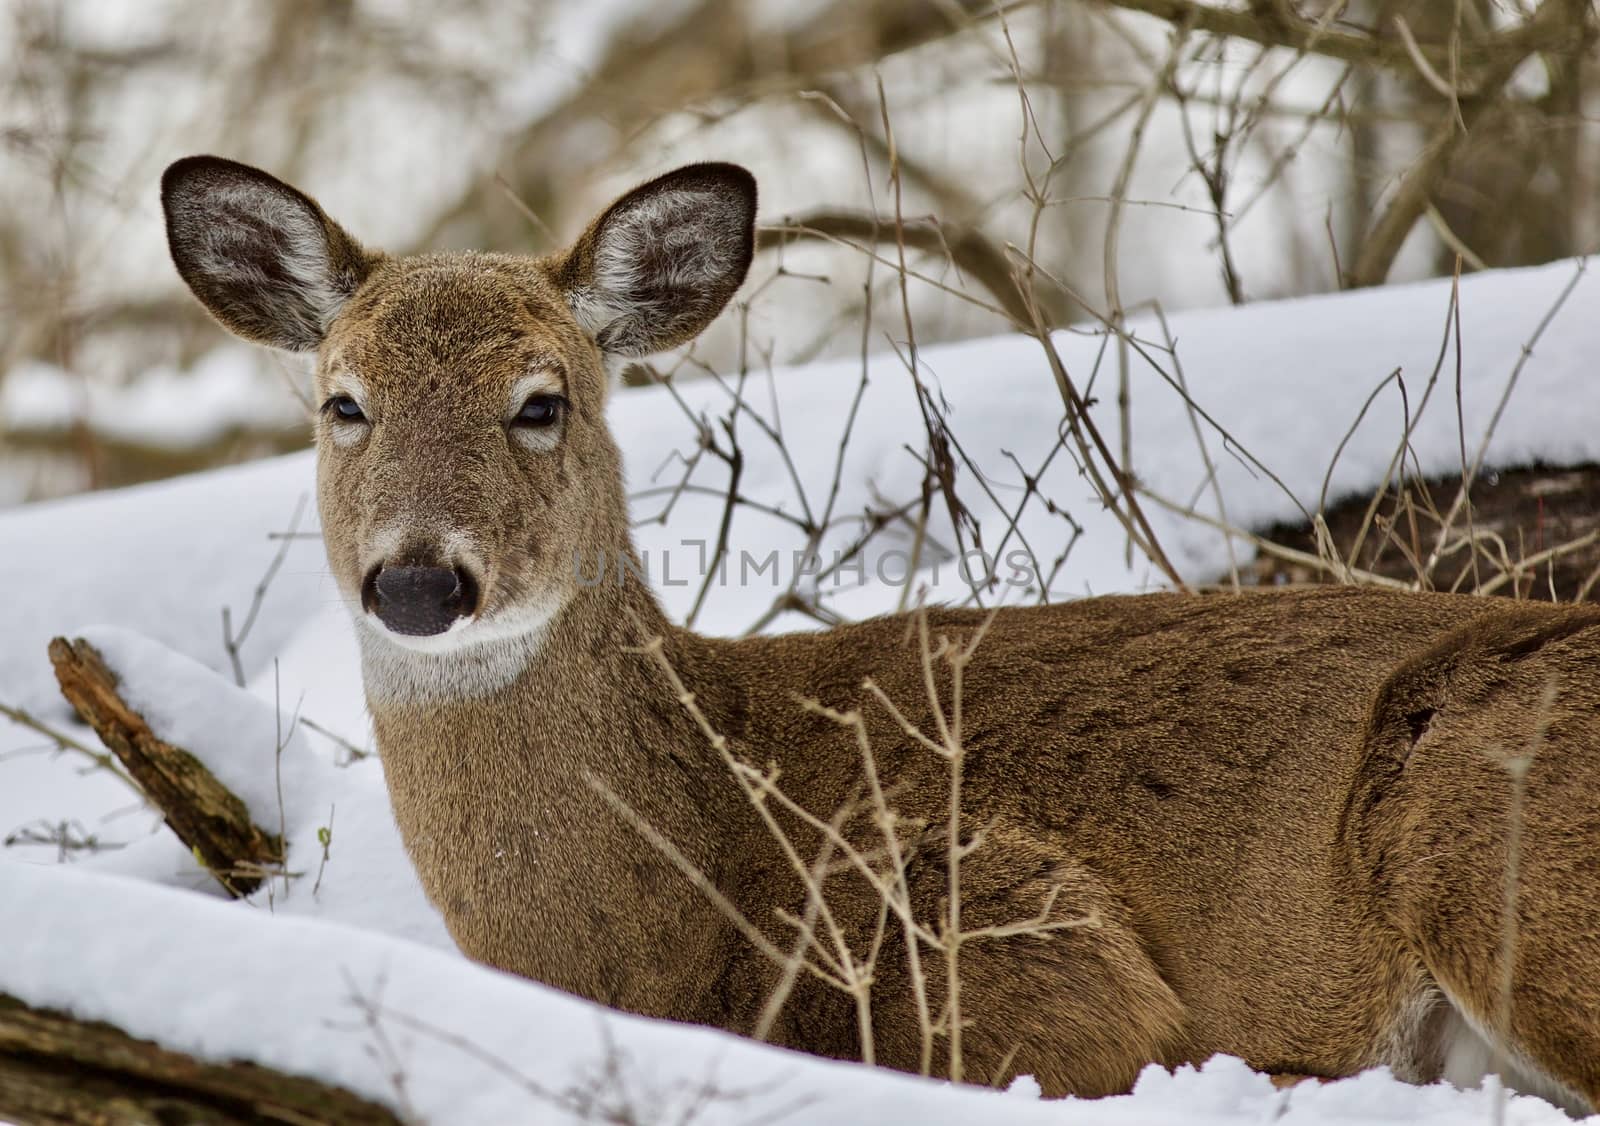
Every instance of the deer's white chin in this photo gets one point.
(474, 657)
(462, 632)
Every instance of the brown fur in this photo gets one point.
(1278, 804)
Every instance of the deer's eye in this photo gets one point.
(540, 411)
(342, 408)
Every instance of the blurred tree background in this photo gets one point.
(1128, 152)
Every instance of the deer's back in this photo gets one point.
(1194, 753)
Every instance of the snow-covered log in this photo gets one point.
(206, 815)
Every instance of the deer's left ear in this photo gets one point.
(661, 262)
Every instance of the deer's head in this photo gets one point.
(462, 452)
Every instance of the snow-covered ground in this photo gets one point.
(313, 975)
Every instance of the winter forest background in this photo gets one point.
(1135, 153)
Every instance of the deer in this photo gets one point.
(1284, 817)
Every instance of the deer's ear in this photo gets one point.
(660, 263)
(261, 256)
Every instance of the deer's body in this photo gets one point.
(1136, 751)
(1280, 807)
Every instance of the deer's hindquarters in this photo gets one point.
(1476, 826)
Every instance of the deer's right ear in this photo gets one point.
(261, 256)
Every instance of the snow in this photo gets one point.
(290, 783)
(304, 1002)
(163, 559)
(155, 565)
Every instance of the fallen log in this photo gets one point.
(56, 1070)
(207, 816)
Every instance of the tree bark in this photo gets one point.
(56, 1070)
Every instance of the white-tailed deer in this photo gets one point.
(1288, 813)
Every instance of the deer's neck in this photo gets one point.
(520, 777)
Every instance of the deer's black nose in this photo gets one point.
(419, 601)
